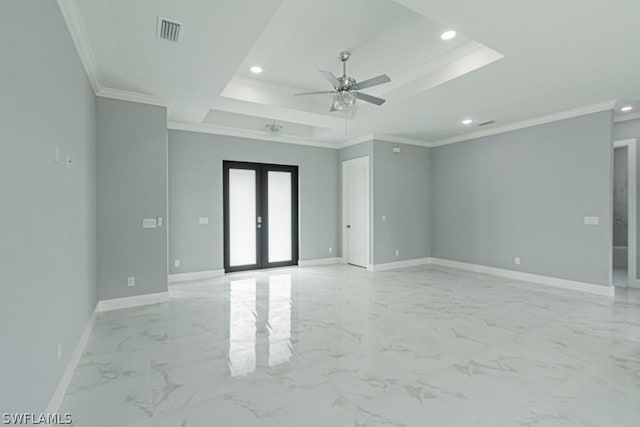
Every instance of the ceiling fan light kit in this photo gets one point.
(345, 88)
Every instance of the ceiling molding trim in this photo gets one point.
(78, 33)
(626, 117)
(219, 130)
(125, 95)
(356, 140)
(402, 140)
(549, 118)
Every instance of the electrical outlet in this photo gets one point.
(397, 252)
(176, 263)
(56, 154)
(384, 217)
(131, 281)
(330, 249)
(516, 260)
(59, 351)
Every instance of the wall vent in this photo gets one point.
(487, 123)
(169, 30)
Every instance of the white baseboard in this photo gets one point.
(319, 261)
(135, 301)
(528, 277)
(398, 264)
(61, 389)
(198, 275)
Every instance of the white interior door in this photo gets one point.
(355, 214)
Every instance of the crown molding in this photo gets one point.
(356, 140)
(549, 118)
(626, 117)
(125, 95)
(78, 33)
(402, 140)
(240, 133)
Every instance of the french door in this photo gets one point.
(260, 215)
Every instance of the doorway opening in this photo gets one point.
(355, 212)
(260, 215)
(624, 244)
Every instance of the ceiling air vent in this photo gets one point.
(169, 30)
(487, 123)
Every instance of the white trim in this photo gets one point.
(356, 140)
(250, 134)
(319, 261)
(576, 112)
(632, 267)
(125, 95)
(385, 137)
(402, 140)
(528, 277)
(198, 275)
(400, 264)
(78, 32)
(626, 117)
(368, 200)
(135, 301)
(63, 383)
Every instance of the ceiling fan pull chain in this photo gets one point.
(346, 130)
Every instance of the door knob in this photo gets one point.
(348, 225)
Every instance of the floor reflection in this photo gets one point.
(279, 319)
(260, 327)
(242, 327)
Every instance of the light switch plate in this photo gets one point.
(149, 223)
(384, 218)
(203, 220)
(131, 281)
(396, 150)
(591, 220)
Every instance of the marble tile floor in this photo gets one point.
(620, 277)
(340, 346)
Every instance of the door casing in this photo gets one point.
(362, 162)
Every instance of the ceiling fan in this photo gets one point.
(345, 88)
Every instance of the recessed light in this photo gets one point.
(467, 121)
(448, 35)
(626, 108)
(256, 69)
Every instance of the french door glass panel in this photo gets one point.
(242, 217)
(279, 214)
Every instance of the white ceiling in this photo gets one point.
(512, 60)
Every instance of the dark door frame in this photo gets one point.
(262, 203)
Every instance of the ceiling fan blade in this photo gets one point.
(383, 78)
(313, 93)
(332, 79)
(369, 98)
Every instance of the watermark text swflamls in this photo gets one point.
(24, 418)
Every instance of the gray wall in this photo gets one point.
(627, 130)
(132, 185)
(47, 212)
(402, 193)
(195, 190)
(400, 189)
(525, 193)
